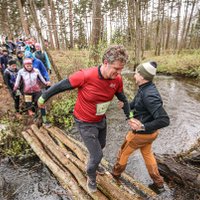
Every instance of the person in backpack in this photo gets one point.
(42, 55)
(10, 75)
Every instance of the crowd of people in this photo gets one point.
(25, 68)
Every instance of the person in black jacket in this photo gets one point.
(10, 75)
(149, 117)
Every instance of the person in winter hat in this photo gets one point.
(30, 78)
(147, 70)
(37, 64)
(149, 117)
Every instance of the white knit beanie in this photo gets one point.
(147, 70)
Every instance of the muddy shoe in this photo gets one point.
(101, 170)
(91, 185)
(117, 178)
(156, 189)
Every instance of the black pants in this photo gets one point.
(94, 137)
(16, 102)
(33, 105)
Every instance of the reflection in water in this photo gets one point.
(181, 101)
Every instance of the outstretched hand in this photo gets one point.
(48, 83)
(120, 104)
(135, 124)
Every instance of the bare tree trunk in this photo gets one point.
(138, 44)
(169, 25)
(96, 31)
(177, 25)
(35, 20)
(5, 19)
(23, 18)
(158, 40)
(131, 22)
(146, 39)
(71, 24)
(182, 42)
(55, 27)
(62, 28)
(189, 22)
(46, 4)
(162, 28)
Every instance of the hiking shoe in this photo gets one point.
(47, 125)
(101, 170)
(117, 177)
(156, 189)
(91, 185)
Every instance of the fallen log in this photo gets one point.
(142, 189)
(66, 178)
(70, 170)
(107, 182)
(179, 172)
(55, 150)
(62, 137)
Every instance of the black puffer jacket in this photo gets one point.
(148, 108)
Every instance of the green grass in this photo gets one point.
(186, 63)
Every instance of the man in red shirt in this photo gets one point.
(96, 88)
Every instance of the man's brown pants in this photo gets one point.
(143, 142)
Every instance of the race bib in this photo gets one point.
(28, 98)
(102, 108)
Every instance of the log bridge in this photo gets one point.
(66, 158)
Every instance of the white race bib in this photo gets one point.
(101, 108)
(28, 98)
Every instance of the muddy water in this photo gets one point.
(29, 181)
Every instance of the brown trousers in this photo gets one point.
(143, 142)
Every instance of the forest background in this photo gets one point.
(167, 31)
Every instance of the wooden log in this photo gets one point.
(106, 183)
(55, 150)
(142, 189)
(180, 173)
(66, 178)
(62, 137)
